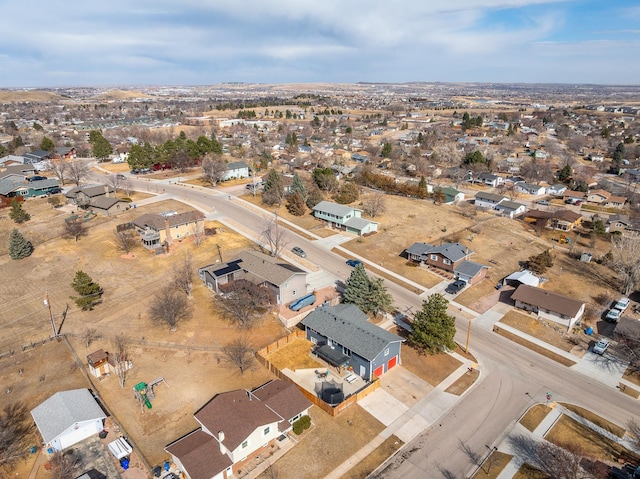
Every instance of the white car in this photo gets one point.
(622, 304)
(613, 315)
(601, 346)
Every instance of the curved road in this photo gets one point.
(512, 377)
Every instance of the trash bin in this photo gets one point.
(124, 462)
(166, 465)
(157, 471)
(102, 434)
(588, 331)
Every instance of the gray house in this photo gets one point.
(344, 217)
(236, 169)
(484, 199)
(345, 338)
(285, 281)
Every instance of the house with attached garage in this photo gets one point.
(235, 169)
(344, 217)
(512, 209)
(488, 179)
(344, 337)
(547, 305)
(68, 417)
(158, 230)
(236, 427)
(14, 186)
(470, 272)
(285, 281)
(529, 189)
(487, 200)
(445, 256)
(449, 195)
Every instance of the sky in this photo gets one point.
(201, 42)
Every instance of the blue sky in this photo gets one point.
(198, 42)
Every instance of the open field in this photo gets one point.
(193, 373)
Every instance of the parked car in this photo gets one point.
(120, 176)
(455, 287)
(36, 178)
(299, 251)
(613, 316)
(601, 346)
(543, 202)
(353, 262)
(622, 304)
(54, 191)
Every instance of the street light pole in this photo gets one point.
(48, 304)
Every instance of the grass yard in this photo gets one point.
(568, 431)
(595, 419)
(493, 466)
(329, 444)
(534, 416)
(534, 347)
(294, 355)
(544, 330)
(375, 459)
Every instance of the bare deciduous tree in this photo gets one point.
(634, 429)
(74, 228)
(273, 236)
(16, 431)
(78, 171)
(625, 261)
(125, 240)
(244, 302)
(239, 352)
(120, 356)
(170, 306)
(115, 181)
(65, 464)
(375, 204)
(59, 168)
(213, 168)
(198, 233)
(183, 275)
(89, 335)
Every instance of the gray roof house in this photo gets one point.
(470, 272)
(345, 338)
(235, 169)
(68, 417)
(445, 256)
(345, 218)
(484, 199)
(511, 209)
(548, 305)
(285, 281)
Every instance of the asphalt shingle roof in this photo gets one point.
(333, 208)
(554, 302)
(348, 326)
(469, 268)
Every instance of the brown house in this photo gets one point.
(561, 219)
(446, 256)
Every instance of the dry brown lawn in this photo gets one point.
(373, 460)
(632, 375)
(594, 418)
(534, 347)
(129, 284)
(294, 355)
(543, 330)
(463, 383)
(493, 466)
(568, 431)
(329, 444)
(634, 393)
(528, 472)
(534, 416)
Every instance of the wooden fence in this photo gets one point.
(331, 410)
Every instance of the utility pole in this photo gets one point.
(48, 304)
(466, 348)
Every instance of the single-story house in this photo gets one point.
(345, 338)
(451, 195)
(547, 305)
(108, 205)
(36, 156)
(235, 169)
(615, 201)
(11, 160)
(285, 281)
(11, 187)
(344, 217)
(522, 277)
(619, 223)
(83, 196)
(470, 272)
(156, 230)
(68, 417)
(529, 189)
(557, 189)
(64, 152)
(446, 256)
(598, 197)
(561, 219)
(237, 426)
(26, 169)
(484, 199)
(511, 209)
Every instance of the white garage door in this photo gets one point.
(73, 435)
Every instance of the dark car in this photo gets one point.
(353, 262)
(54, 191)
(120, 176)
(36, 178)
(456, 287)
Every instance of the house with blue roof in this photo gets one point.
(344, 337)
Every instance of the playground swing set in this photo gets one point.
(144, 394)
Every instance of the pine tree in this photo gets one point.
(433, 329)
(540, 263)
(17, 213)
(371, 296)
(295, 204)
(298, 186)
(18, 246)
(273, 191)
(89, 291)
(379, 298)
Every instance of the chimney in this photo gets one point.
(106, 190)
(220, 439)
(168, 231)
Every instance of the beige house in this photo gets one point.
(159, 230)
(547, 305)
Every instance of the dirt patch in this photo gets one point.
(534, 416)
(568, 431)
(629, 391)
(294, 355)
(374, 459)
(534, 347)
(632, 375)
(328, 445)
(463, 383)
(433, 368)
(595, 419)
(544, 330)
(493, 466)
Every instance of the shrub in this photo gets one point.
(298, 427)
(306, 422)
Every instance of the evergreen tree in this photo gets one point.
(297, 186)
(473, 157)
(47, 144)
(433, 329)
(379, 298)
(89, 291)
(18, 246)
(598, 227)
(540, 263)
(273, 192)
(565, 173)
(295, 204)
(314, 196)
(386, 150)
(347, 194)
(371, 296)
(17, 213)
